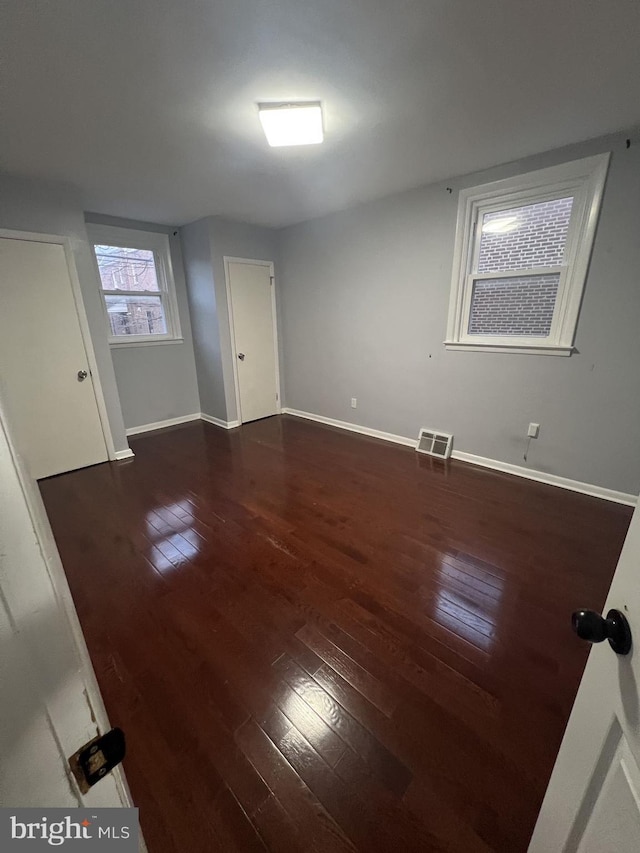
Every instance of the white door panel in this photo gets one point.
(592, 804)
(252, 313)
(50, 702)
(55, 417)
(614, 822)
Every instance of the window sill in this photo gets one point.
(127, 344)
(525, 349)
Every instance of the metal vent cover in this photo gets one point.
(434, 443)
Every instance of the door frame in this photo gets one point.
(232, 332)
(85, 332)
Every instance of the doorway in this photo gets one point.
(254, 339)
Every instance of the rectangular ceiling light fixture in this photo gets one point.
(292, 124)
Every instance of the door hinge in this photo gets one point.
(271, 280)
(97, 758)
(277, 396)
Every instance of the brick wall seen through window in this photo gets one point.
(127, 270)
(515, 306)
(534, 235)
(538, 240)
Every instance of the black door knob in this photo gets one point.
(591, 626)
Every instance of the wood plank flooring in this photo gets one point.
(318, 641)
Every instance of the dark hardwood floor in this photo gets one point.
(319, 641)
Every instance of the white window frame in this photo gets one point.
(108, 235)
(584, 180)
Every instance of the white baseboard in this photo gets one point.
(124, 454)
(183, 419)
(482, 461)
(219, 422)
(549, 479)
(374, 433)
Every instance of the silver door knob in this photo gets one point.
(82, 375)
(241, 356)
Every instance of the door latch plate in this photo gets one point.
(97, 758)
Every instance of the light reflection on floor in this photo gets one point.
(468, 602)
(171, 531)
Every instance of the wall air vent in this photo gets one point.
(434, 443)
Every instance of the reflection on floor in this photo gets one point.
(319, 641)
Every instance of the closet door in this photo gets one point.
(44, 371)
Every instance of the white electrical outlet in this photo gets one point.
(354, 402)
(533, 431)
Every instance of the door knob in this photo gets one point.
(82, 375)
(241, 356)
(589, 625)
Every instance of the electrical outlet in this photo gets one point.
(354, 403)
(533, 431)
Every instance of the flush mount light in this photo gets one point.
(500, 226)
(291, 124)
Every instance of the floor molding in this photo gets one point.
(183, 419)
(219, 422)
(549, 479)
(482, 461)
(119, 455)
(373, 433)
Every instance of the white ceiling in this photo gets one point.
(148, 106)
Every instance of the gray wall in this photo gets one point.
(156, 383)
(203, 307)
(364, 300)
(52, 208)
(205, 244)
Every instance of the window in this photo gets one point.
(521, 257)
(137, 285)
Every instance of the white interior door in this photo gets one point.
(50, 702)
(592, 804)
(252, 311)
(44, 370)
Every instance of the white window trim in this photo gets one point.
(109, 235)
(584, 179)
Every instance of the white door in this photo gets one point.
(44, 371)
(592, 804)
(252, 312)
(50, 705)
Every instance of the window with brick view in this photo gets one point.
(522, 304)
(137, 285)
(521, 259)
(127, 275)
